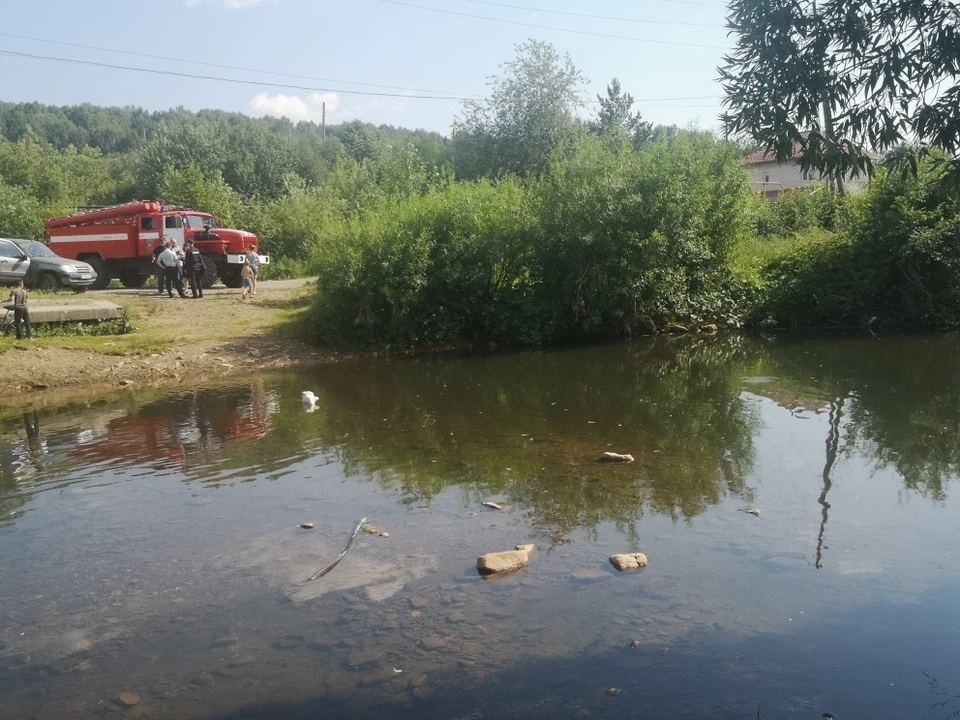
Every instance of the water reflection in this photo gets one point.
(528, 428)
(183, 575)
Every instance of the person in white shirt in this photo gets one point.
(171, 270)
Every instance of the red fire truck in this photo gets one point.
(118, 241)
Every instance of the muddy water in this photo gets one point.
(150, 544)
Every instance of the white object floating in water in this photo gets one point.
(309, 400)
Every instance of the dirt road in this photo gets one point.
(175, 342)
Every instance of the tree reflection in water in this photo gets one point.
(529, 427)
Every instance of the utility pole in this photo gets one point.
(324, 120)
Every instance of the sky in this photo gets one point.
(422, 56)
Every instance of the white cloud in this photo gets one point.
(293, 107)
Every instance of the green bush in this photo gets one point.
(802, 210)
(608, 243)
(898, 261)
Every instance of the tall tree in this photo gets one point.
(529, 114)
(615, 117)
(844, 78)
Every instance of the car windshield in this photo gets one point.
(197, 221)
(37, 249)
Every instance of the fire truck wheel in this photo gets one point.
(102, 270)
(210, 272)
(133, 279)
(231, 277)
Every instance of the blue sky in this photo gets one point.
(357, 41)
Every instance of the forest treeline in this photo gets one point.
(544, 217)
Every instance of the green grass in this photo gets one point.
(750, 257)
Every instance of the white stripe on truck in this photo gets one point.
(109, 237)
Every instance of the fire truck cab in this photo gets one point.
(119, 241)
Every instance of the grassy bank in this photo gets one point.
(173, 341)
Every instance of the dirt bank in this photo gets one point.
(176, 342)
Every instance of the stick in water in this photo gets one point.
(331, 566)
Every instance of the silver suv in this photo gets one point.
(49, 271)
(14, 263)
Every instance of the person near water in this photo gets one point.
(248, 278)
(171, 272)
(21, 313)
(254, 261)
(193, 268)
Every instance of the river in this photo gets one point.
(150, 543)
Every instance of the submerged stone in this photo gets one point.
(128, 699)
(611, 457)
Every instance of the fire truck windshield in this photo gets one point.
(197, 221)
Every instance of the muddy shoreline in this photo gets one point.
(45, 376)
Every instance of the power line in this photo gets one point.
(604, 17)
(222, 67)
(258, 83)
(549, 27)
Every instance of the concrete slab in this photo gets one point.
(42, 311)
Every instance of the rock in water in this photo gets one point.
(493, 505)
(631, 561)
(503, 562)
(128, 699)
(609, 457)
(753, 511)
(307, 526)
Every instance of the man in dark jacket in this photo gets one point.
(193, 268)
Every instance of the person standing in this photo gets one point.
(253, 260)
(193, 268)
(161, 246)
(248, 279)
(21, 313)
(171, 271)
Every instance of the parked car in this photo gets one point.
(49, 271)
(14, 263)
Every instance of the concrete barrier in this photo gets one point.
(44, 311)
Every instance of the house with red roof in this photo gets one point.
(772, 178)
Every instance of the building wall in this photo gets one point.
(790, 176)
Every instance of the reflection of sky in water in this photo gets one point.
(143, 534)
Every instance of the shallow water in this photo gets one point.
(150, 544)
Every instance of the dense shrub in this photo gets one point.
(898, 261)
(802, 210)
(608, 242)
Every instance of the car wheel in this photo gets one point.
(48, 281)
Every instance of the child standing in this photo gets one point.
(247, 276)
(21, 314)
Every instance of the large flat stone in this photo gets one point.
(43, 311)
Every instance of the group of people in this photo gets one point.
(176, 264)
